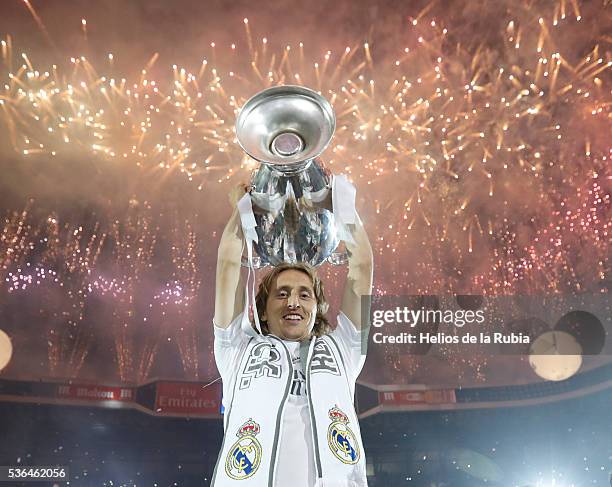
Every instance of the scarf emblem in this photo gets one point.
(244, 456)
(341, 439)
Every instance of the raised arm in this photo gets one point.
(229, 285)
(359, 278)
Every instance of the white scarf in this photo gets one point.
(254, 418)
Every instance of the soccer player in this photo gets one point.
(288, 392)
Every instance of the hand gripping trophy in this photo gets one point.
(288, 374)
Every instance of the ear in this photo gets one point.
(264, 317)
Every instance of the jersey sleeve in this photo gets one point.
(228, 343)
(353, 344)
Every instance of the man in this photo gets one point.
(288, 392)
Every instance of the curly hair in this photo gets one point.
(321, 326)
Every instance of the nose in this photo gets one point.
(293, 301)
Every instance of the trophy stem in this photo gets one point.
(289, 169)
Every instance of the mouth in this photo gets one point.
(293, 318)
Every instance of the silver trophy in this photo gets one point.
(286, 128)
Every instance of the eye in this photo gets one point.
(306, 295)
(282, 294)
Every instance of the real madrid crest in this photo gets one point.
(341, 439)
(244, 456)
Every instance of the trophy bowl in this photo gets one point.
(285, 128)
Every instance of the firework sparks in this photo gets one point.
(484, 164)
(15, 240)
(134, 244)
(73, 256)
(178, 297)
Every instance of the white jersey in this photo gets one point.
(296, 463)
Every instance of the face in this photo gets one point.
(290, 306)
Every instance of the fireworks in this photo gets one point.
(185, 125)
(455, 135)
(73, 256)
(482, 162)
(57, 281)
(134, 242)
(15, 240)
(23, 279)
(179, 296)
